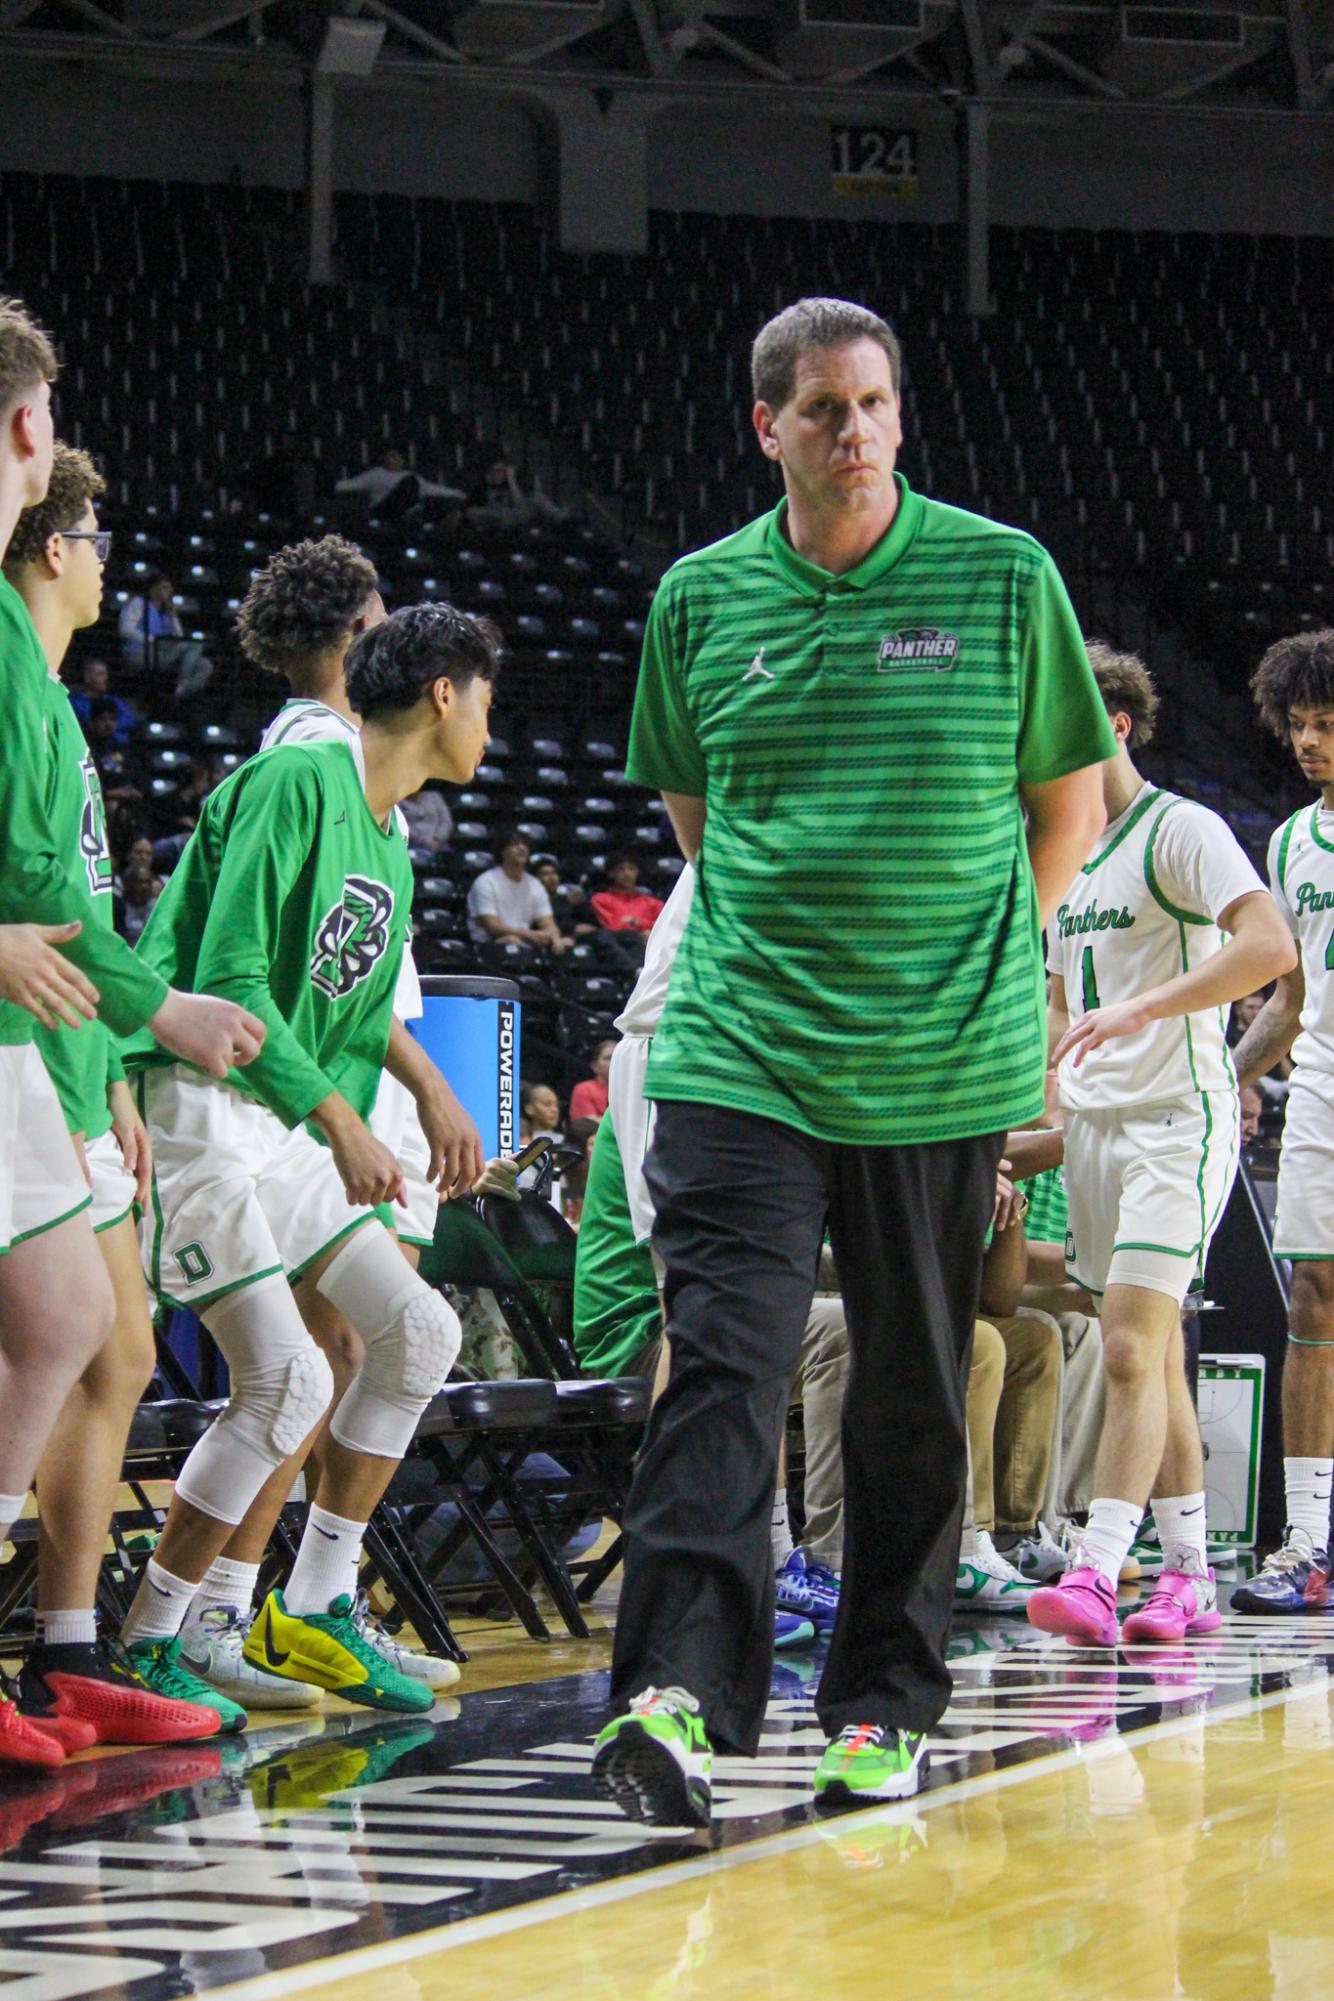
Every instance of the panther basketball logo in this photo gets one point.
(919, 646)
(93, 831)
(352, 936)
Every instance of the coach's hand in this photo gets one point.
(457, 1159)
(1102, 1024)
(37, 977)
(213, 1034)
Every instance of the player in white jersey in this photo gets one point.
(1164, 925)
(300, 616)
(1294, 689)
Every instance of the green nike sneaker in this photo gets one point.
(331, 1650)
(158, 1664)
(655, 1762)
(869, 1762)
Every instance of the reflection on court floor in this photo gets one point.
(173, 1871)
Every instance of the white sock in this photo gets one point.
(1105, 1542)
(226, 1582)
(11, 1507)
(326, 1563)
(160, 1606)
(780, 1529)
(1181, 1521)
(1307, 1482)
(67, 1629)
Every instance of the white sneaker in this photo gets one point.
(413, 1661)
(986, 1582)
(212, 1650)
(1041, 1557)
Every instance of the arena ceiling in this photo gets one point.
(1227, 54)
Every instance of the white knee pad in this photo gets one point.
(281, 1387)
(412, 1339)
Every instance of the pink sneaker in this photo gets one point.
(1181, 1602)
(1082, 1607)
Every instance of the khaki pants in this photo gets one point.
(1014, 1404)
(1083, 1399)
(822, 1378)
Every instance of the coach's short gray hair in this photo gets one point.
(813, 323)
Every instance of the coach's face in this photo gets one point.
(838, 435)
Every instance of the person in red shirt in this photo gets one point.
(589, 1099)
(624, 907)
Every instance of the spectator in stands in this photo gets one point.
(391, 488)
(588, 1100)
(139, 855)
(1252, 1111)
(569, 905)
(626, 912)
(579, 1133)
(430, 822)
(540, 1106)
(508, 902)
(204, 777)
(95, 685)
(152, 638)
(140, 890)
(498, 501)
(123, 773)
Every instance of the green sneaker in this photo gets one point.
(655, 1761)
(331, 1650)
(158, 1664)
(868, 1762)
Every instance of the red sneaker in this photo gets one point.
(135, 1779)
(96, 1685)
(23, 1742)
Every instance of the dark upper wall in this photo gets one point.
(1077, 166)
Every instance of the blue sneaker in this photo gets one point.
(791, 1630)
(1280, 1585)
(808, 1588)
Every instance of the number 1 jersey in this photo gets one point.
(1144, 909)
(1301, 875)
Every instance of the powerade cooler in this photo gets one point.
(469, 1028)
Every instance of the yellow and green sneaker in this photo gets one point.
(869, 1762)
(655, 1762)
(329, 1649)
(158, 1665)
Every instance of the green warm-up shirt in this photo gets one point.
(41, 881)
(81, 1064)
(293, 900)
(863, 958)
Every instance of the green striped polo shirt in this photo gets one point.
(863, 957)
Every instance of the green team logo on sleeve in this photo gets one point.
(93, 831)
(352, 936)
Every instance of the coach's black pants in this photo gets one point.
(742, 1204)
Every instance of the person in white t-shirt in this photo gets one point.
(1294, 690)
(508, 902)
(1165, 924)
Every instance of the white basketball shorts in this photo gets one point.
(41, 1182)
(632, 1116)
(113, 1184)
(236, 1196)
(1304, 1218)
(1146, 1188)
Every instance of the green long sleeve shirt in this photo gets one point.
(37, 883)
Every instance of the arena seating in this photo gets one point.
(1151, 406)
